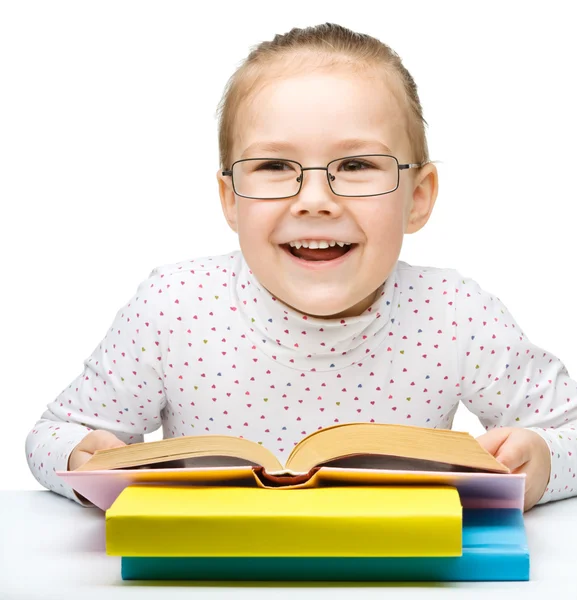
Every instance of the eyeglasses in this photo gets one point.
(351, 176)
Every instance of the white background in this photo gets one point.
(108, 155)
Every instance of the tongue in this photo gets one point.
(320, 254)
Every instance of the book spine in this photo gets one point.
(266, 535)
(497, 564)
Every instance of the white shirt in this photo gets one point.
(203, 348)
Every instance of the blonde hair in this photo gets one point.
(330, 44)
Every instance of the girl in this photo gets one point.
(324, 168)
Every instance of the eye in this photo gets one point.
(355, 165)
(277, 165)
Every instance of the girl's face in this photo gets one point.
(313, 115)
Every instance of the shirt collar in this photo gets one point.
(306, 342)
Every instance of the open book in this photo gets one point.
(345, 454)
(367, 444)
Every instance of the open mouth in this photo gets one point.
(318, 254)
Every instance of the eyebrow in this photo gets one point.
(351, 144)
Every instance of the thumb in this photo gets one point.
(494, 439)
(101, 440)
(513, 454)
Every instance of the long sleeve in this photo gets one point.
(507, 381)
(119, 390)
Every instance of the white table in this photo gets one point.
(52, 548)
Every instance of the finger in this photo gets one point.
(77, 458)
(100, 440)
(531, 496)
(494, 439)
(513, 454)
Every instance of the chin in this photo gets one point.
(323, 309)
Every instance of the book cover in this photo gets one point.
(325, 521)
(494, 549)
(476, 490)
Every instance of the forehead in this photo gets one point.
(312, 111)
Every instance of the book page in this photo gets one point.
(397, 463)
(197, 462)
(442, 446)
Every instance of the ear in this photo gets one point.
(426, 188)
(227, 200)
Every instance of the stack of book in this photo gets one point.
(400, 504)
(388, 533)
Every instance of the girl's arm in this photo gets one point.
(120, 389)
(507, 381)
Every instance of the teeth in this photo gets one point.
(317, 244)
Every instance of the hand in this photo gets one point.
(99, 439)
(523, 451)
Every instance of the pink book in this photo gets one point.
(476, 490)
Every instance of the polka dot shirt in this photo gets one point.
(203, 348)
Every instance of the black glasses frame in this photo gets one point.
(229, 172)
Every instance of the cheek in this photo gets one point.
(382, 218)
(256, 219)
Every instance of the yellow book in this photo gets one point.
(327, 521)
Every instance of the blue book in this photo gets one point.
(494, 549)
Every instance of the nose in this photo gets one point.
(316, 196)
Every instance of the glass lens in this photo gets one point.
(364, 175)
(266, 178)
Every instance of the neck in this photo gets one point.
(307, 341)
